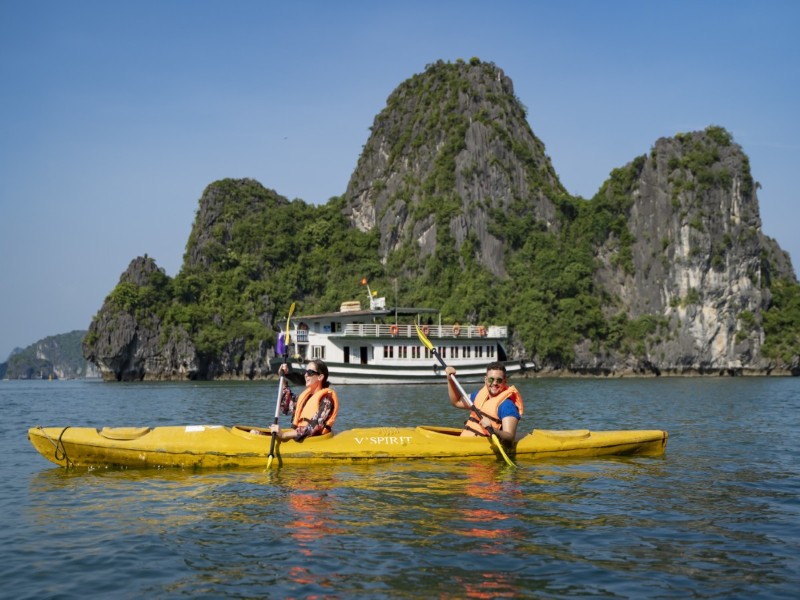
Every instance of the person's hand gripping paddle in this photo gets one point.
(495, 440)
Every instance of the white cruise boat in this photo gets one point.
(380, 345)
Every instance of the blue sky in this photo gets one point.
(115, 115)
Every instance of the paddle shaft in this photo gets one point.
(464, 396)
(277, 418)
(286, 341)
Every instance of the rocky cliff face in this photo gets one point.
(451, 149)
(129, 339)
(228, 212)
(129, 345)
(693, 255)
(452, 161)
(699, 260)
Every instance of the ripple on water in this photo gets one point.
(716, 517)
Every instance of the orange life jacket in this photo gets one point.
(308, 406)
(489, 407)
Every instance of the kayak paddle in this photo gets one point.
(286, 340)
(495, 440)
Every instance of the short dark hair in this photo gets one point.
(496, 366)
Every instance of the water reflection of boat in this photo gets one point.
(215, 446)
(380, 344)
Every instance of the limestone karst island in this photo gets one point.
(455, 207)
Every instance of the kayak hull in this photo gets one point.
(217, 446)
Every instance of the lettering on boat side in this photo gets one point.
(388, 440)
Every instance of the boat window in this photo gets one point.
(402, 352)
(467, 351)
(478, 351)
(415, 351)
(454, 352)
(318, 352)
(442, 351)
(388, 352)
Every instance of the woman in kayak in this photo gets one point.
(500, 405)
(314, 410)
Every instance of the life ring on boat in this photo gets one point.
(456, 329)
(481, 331)
(426, 330)
(393, 330)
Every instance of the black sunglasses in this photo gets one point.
(311, 372)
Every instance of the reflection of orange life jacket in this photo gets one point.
(489, 407)
(308, 406)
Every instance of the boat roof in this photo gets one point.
(405, 311)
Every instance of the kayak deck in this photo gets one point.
(217, 446)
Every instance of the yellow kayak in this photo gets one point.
(217, 446)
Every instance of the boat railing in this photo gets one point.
(431, 331)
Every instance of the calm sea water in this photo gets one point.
(717, 517)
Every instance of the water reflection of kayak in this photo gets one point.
(216, 446)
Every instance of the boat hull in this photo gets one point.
(216, 446)
(376, 374)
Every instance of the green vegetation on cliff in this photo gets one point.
(261, 254)
(450, 164)
(782, 322)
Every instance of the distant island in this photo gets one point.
(54, 357)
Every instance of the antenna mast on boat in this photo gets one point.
(374, 303)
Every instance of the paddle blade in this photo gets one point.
(499, 445)
(271, 448)
(288, 319)
(423, 338)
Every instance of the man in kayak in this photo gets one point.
(314, 410)
(499, 405)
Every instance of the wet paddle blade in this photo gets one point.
(499, 445)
